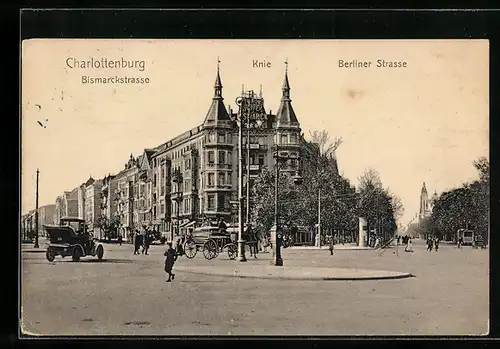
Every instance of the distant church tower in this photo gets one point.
(425, 203)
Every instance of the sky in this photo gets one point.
(426, 122)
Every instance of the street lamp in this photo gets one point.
(249, 109)
(297, 179)
(178, 199)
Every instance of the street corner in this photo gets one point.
(295, 273)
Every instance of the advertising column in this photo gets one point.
(363, 227)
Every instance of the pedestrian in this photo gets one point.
(146, 242)
(331, 246)
(120, 239)
(436, 244)
(171, 257)
(460, 242)
(137, 242)
(429, 244)
(408, 247)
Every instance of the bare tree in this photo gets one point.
(327, 145)
(370, 179)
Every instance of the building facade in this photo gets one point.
(125, 197)
(93, 206)
(45, 217)
(193, 178)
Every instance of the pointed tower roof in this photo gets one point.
(285, 117)
(217, 111)
(424, 189)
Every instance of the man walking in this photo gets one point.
(171, 257)
(436, 244)
(137, 242)
(146, 242)
(330, 247)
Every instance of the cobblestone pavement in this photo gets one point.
(127, 294)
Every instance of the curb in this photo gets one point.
(333, 278)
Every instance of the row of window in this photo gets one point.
(221, 137)
(224, 157)
(224, 178)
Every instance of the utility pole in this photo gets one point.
(241, 243)
(318, 237)
(248, 172)
(36, 211)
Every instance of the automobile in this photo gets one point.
(72, 238)
(478, 242)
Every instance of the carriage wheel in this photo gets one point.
(210, 249)
(232, 251)
(190, 249)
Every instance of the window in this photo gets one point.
(211, 180)
(221, 178)
(261, 160)
(221, 204)
(254, 140)
(284, 139)
(229, 138)
(252, 160)
(211, 202)
(229, 178)
(211, 157)
(162, 208)
(222, 157)
(188, 164)
(221, 138)
(211, 137)
(293, 139)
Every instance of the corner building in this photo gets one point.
(206, 157)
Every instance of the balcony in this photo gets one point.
(219, 166)
(254, 167)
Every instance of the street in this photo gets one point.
(127, 295)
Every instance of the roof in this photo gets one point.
(217, 111)
(286, 115)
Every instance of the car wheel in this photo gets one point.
(100, 252)
(50, 255)
(77, 253)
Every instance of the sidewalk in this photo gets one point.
(292, 273)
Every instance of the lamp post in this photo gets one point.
(241, 242)
(178, 199)
(297, 179)
(250, 109)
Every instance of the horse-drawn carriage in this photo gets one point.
(210, 240)
(213, 240)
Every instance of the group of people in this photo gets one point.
(142, 239)
(406, 240)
